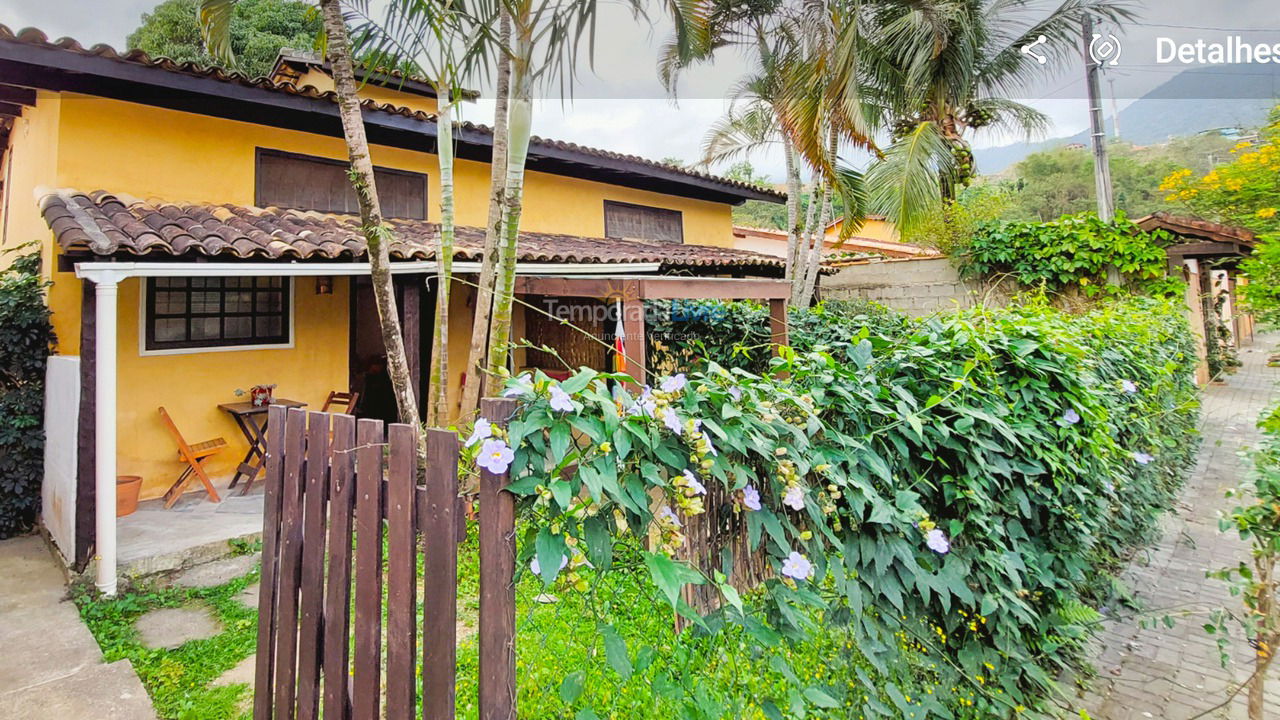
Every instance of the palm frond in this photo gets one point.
(905, 185)
(739, 133)
(215, 28)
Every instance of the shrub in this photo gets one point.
(957, 486)
(25, 337)
(1074, 251)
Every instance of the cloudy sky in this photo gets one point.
(619, 104)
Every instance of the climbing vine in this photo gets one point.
(957, 486)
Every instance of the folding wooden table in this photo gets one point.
(252, 420)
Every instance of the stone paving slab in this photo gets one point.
(1176, 673)
(218, 572)
(171, 628)
(249, 596)
(50, 665)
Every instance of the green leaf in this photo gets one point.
(561, 436)
(819, 697)
(549, 549)
(615, 651)
(578, 381)
(571, 686)
(586, 714)
(670, 576)
(599, 542)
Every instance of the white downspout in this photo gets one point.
(105, 290)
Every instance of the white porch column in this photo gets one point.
(105, 290)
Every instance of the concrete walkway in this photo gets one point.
(50, 665)
(1176, 673)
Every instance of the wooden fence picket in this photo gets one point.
(366, 682)
(337, 601)
(497, 584)
(438, 522)
(264, 677)
(313, 537)
(402, 604)
(286, 652)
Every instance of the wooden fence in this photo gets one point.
(336, 494)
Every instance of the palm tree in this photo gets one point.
(215, 18)
(946, 68)
(436, 40)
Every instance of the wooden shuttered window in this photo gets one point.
(289, 180)
(640, 222)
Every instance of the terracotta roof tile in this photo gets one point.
(106, 224)
(36, 37)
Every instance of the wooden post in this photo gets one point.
(439, 527)
(633, 326)
(401, 570)
(497, 582)
(777, 323)
(1195, 316)
(412, 329)
(86, 437)
(264, 673)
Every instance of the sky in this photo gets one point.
(619, 103)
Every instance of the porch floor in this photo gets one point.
(194, 531)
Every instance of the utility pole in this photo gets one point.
(1115, 109)
(1101, 169)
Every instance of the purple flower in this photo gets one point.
(797, 566)
(735, 393)
(665, 513)
(675, 383)
(536, 567)
(751, 498)
(522, 385)
(937, 541)
(1128, 386)
(560, 400)
(1109, 486)
(671, 420)
(794, 498)
(710, 448)
(495, 456)
(483, 430)
(1142, 458)
(644, 404)
(692, 480)
(1070, 417)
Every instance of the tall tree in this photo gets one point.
(215, 20)
(258, 30)
(945, 68)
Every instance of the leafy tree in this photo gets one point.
(257, 31)
(1059, 182)
(1244, 192)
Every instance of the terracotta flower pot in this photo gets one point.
(127, 489)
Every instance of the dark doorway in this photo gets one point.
(415, 303)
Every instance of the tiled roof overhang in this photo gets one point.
(106, 225)
(30, 59)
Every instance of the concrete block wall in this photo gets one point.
(914, 286)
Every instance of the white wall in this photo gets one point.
(61, 420)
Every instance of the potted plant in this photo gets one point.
(259, 395)
(127, 489)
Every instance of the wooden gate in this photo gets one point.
(338, 496)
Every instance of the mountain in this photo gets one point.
(1224, 96)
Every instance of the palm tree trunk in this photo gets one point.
(476, 355)
(376, 233)
(793, 202)
(802, 247)
(438, 384)
(519, 128)
(814, 261)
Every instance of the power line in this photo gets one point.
(1199, 27)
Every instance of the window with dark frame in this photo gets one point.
(641, 222)
(215, 312)
(289, 180)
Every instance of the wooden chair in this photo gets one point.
(347, 400)
(194, 456)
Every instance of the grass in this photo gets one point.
(563, 667)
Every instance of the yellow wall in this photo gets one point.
(872, 228)
(191, 386)
(387, 93)
(89, 143)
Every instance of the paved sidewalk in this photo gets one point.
(1176, 673)
(50, 665)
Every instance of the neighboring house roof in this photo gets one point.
(1200, 238)
(291, 64)
(104, 224)
(854, 244)
(29, 57)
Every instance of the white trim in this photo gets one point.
(142, 329)
(92, 270)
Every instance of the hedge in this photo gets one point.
(959, 486)
(25, 338)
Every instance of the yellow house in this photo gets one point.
(877, 236)
(197, 233)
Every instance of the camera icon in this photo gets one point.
(1105, 49)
